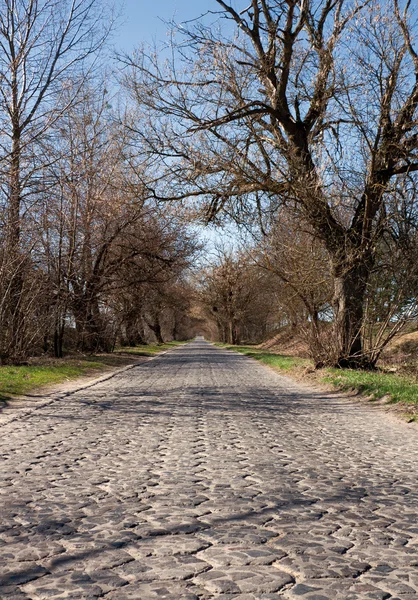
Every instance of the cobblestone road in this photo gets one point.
(200, 475)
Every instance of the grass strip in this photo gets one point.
(375, 384)
(24, 379)
(277, 361)
(17, 380)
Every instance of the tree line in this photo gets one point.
(87, 256)
(295, 119)
(298, 120)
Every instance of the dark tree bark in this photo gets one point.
(155, 327)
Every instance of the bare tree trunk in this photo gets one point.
(230, 331)
(13, 225)
(175, 326)
(133, 332)
(157, 331)
(13, 301)
(234, 334)
(58, 340)
(155, 327)
(350, 286)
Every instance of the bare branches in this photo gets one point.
(43, 46)
(403, 23)
(311, 107)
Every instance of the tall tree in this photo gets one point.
(231, 290)
(44, 45)
(309, 105)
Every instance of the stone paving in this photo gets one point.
(202, 474)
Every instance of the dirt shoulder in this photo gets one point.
(314, 379)
(398, 394)
(16, 406)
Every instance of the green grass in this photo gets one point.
(24, 379)
(148, 349)
(277, 361)
(20, 380)
(375, 384)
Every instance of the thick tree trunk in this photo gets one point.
(91, 336)
(230, 332)
(57, 344)
(235, 335)
(158, 334)
(156, 329)
(221, 331)
(58, 339)
(133, 335)
(12, 321)
(350, 285)
(175, 327)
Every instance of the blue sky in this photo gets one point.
(142, 19)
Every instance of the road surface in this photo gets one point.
(202, 474)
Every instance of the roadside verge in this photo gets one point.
(66, 382)
(398, 393)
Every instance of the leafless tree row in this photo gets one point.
(297, 119)
(283, 286)
(301, 112)
(86, 256)
(238, 297)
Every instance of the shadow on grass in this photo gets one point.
(149, 349)
(111, 360)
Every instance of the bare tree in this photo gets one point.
(44, 45)
(233, 291)
(310, 105)
(392, 299)
(300, 263)
(150, 287)
(93, 209)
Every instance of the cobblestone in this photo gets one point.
(200, 475)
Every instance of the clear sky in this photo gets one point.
(142, 20)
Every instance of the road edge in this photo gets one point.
(18, 412)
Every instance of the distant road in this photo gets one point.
(202, 474)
